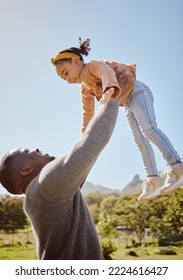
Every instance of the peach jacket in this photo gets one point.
(97, 77)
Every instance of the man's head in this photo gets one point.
(19, 167)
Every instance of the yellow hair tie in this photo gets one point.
(63, 56)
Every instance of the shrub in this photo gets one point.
(108, 248)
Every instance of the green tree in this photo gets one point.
(12, 214)
(104, 225)
(108, 203)
(163, 215)
(174, 214)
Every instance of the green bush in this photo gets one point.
(108, 248)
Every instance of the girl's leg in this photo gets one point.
(153, 181)
(143, 144)
(143, 110)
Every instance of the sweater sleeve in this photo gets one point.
(60, 179)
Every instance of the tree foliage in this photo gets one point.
(162, 216)
(12, 216)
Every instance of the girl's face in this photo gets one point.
(70, 70)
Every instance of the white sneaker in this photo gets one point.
(174, 178)
(151, 188)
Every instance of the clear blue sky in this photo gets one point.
(40, 110)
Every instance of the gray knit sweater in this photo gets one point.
(63, 226)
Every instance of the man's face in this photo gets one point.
(26, 158)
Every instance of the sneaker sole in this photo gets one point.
(177, 185)
(151, 196)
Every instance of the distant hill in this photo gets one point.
(134, 187)
(91, 188)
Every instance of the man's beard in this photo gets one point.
(52, 158)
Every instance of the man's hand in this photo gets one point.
(106, 97)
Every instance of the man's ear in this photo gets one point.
(26, 171)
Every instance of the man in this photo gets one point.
(62, 223)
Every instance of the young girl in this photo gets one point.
(104, 80)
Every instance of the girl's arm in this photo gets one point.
(126, 76)
(106, 76)
(126, 80)
(121, 77)
(88, 106)
(106, 97)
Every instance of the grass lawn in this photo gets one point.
(147, 253)
(21, 246)
(23, 252)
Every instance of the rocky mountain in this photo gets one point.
(134, 187)
(91, 188)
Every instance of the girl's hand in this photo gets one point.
(106, 97)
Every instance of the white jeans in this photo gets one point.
(139, 108)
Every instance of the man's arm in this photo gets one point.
(62, 177)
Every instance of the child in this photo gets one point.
(104, 80)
